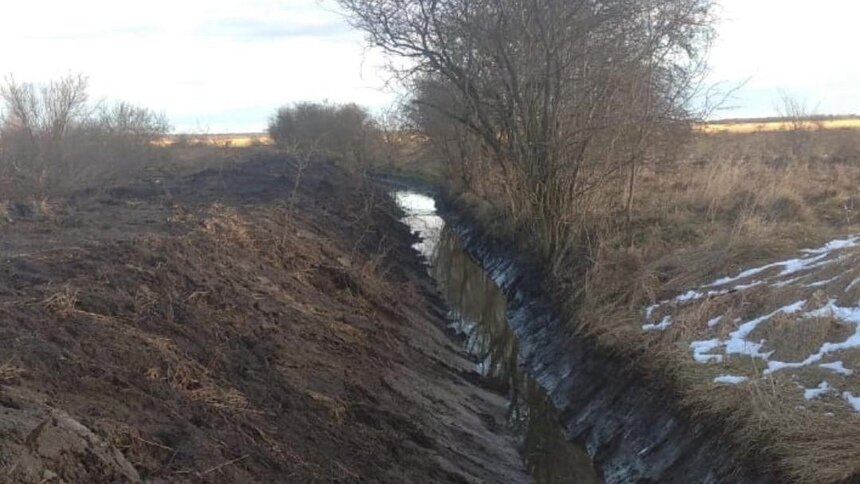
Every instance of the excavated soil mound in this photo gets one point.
(233, 326)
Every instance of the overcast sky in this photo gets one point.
(224, 65)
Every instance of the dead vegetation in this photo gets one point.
(10, 372)
(232, 335)
(729, 202)
(53, 139)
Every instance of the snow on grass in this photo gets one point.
(847, 314)
(650, 310)
(850, 315)
(738, 342)
(811, 271)
(794, 266)
(814, 258)
(837, 244)
(663, 325)
(789, 282)
(744, 287)
(853, 341)
(837, 367)
(730, 379)
(689, 296)
(852, 400)
(824, 282)
(743, 275)
(702, 351)
(818, 392)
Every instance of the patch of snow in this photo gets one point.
(837, 367)
(744, 287)
(794, 266)
(688, 296)
(702, 351)
(853, 341)
(743, 275)
(738, 343)
(650, 310)
(774, 366)
(788, 282)
(852, 400)
(730, 379)
(816, 393)
(661, 326)
(823, 283)
(835, 245)
(803, 271)
(814, 258)
(848, 314)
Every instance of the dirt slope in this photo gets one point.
(224, 327)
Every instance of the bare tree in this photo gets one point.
(800, 121)
(53, 138)
(564, 96)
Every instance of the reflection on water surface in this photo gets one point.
(478, 312)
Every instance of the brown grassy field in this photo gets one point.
(752, 126)
(729, 201)
(732, 201)
(224, 140)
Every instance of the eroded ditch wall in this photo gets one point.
(630, 427)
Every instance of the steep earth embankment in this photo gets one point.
(233, 326)
(630, 423)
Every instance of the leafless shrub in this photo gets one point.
(800, 121)
(345, 132)
(62, 303)
(53, 139)
(563, 99)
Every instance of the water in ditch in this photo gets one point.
(478, 312)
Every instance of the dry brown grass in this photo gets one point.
(726, 202)
(226, 227)
(10, 372)
(730, 201)
(734, 201)
(62, 303)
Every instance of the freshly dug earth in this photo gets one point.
(259, 324)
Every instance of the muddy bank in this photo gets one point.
(627, 421)
(234, 326)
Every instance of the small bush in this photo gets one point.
(344, 132)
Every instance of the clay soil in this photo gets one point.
(253, 324)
